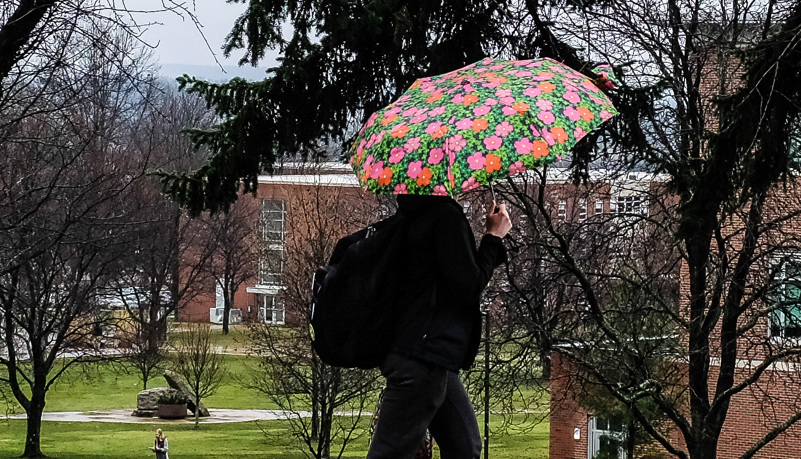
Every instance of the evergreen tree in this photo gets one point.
(342, 62)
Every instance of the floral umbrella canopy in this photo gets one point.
(453, 132)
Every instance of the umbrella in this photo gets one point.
(491, 119)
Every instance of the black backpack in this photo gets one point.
(354, 308)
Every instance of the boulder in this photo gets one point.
(175, 382)
(147, 402)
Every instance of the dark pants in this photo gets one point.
(422, 396)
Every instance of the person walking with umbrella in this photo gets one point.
(438, 330)
(445, 135)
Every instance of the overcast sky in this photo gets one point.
(180, 47)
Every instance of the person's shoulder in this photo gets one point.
(449, 211)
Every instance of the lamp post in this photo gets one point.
(486, 381)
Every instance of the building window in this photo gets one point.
(582, 209)
(272, 220)
(272, 226)
(271, 265)
(630, 205)
(605, 439)
(785, 317)
(271, 309)
(561, 210)
(599, 206)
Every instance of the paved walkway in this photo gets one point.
(217, 416)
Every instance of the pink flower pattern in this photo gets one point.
(455, 143)
(476, 161)
(481, 110)
(465, 123)
(545, 105)
(418, 118)
(439, 190)
(376, 170)
(470, 184)
(415, 167)
(532, 92)
(412, 144)
(437, 111)
(517, 167)
(435, 156)
(572, 97)
(571, 113)
(523, 146)
(508, 111)
(504, 129)
(579, 133)
(437, 117)
(396, 155)
(546, 117)
(493, 142)
(433, 127)
(548, 137)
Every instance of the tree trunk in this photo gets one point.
(630, 439)
(197, 412)
(228, 296)
(327, 420)
(34, 425)
(704, 449)
(175, 264)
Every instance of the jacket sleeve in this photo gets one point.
(463, 269)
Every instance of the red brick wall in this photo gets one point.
(751, 415)
(197, 309)
(566, 414)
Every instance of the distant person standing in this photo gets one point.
(160, 445)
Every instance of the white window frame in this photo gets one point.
(271, 265)
(594, 437)
(582, 209)
(783, 281)
(272, 210)
(272, 304)
(271, 256)
(630, 204)
(599, 206)
(561, 210)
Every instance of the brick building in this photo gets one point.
(771, 327)
(296, 209)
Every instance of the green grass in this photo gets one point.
(103, 388)
(67, 440)
(106, 388)
(235, 341)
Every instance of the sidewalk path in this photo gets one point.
(217, 416)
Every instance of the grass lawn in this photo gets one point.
(67, 440)
(103, 388)
(236, 341)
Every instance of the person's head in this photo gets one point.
(159, 434)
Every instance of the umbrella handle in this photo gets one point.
(492, 190)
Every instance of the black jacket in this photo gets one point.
(442, 276)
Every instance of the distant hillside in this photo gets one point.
(213, 72)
